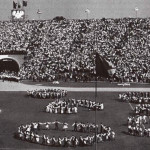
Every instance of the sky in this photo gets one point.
(75, 9)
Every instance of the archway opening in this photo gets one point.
(8, 64)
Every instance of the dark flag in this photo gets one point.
(14, 5)
(103, 67)
(19, 5)
(24, 3)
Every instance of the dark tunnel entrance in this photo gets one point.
(8, 64)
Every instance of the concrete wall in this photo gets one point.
(18, 58)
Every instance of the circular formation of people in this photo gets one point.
(70, 106)
(47, 93)
(29, 133)
(95, 133)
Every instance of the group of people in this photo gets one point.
(69, 106)
(137, 126)
(64, 49)
(135, 97)
(13, 52)
(91, 105)
(61, 107)
(138, 119)
(30, 133)
(138, 130)
(7, 76)
(91, 127)
(142, 109)
(47, 93)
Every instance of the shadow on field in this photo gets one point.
(118, 100)
(125, 124)
(131, 113)
(125, 132)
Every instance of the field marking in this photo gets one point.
(13, 86)
(130, 105)
(7, 148)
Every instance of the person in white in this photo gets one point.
(65, 126)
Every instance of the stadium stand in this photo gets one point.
(64, 50)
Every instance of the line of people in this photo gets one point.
(135, 97)
(9, 76)
(142, 109)
(91, 127)
(30, 133)
(138, 119)
(47, 93)
(91, 105)
(138, 130)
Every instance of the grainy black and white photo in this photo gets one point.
(74, 74)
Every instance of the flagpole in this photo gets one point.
(22, 5)
(17, 4)
(95, 104)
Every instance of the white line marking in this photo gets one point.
(7, 86)
(130, 105)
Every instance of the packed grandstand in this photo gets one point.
(65, 49)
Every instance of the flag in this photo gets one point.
(14, 5)
(104, 68)
(19, 4)
(24, 3)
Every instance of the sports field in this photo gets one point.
(19, 109)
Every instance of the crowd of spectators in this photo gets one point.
(64, 49)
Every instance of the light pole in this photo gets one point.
(87, 11)
(136, 11)
(39, 13)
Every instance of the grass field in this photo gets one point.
(18, 109)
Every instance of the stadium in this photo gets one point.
(74, 74)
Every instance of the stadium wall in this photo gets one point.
(18, 58)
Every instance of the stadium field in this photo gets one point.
(72, 86)
(19, 109)
(86, 84)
